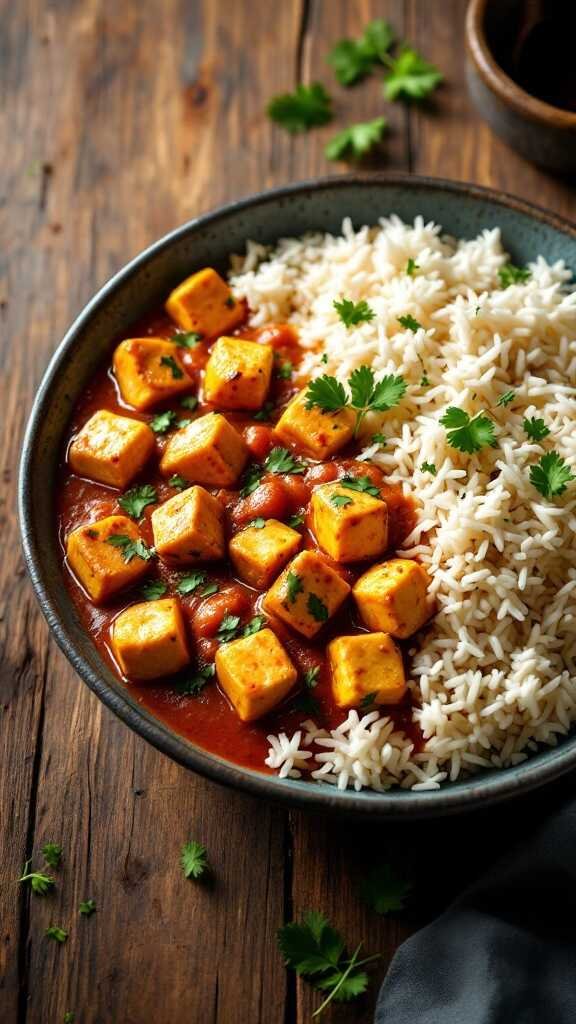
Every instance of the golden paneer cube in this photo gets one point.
(348, 524)
(317, 433)
(111, 449)
(189, 528)
(366, 666)
(148, 371)
(255, 673)
(307, 593)
(238, 374)
(149, 639)
(205, 304)
(260, 552)
(208, 451)
(102, 556)
(392, 597)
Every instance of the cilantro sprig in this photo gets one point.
(134, 501)
(535, 429)
(298, 111)
(193, 685)
(39, 883)
(410, 77)
(52, 853)
(131, 548)
(551, 475)
(510, 274)
(353, 59)
(357, 140)
(353, 313)
(87, 908)
(365, 394)
(468, 434)
(58, 934)
(280, 460)
(194, 859)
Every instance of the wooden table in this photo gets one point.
(121, 120)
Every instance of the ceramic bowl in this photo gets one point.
(320, 205)
(538, 131)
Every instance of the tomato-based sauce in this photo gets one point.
(208, 719)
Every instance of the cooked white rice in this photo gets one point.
(495, 674)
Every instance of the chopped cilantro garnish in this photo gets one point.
(154, 590)
(411, 267)
(466, 434)
(254, 626)
(265, 413)
(294, 586)
(285, 370)
(163, 421)
(189, 583)
(194, 860)
(190, 339)
(251, 479)
(340, 500)
(189, 402)
(368, 699)
(410, 76)
(280, 460)
(209, 589)
(506, 398)
(378, 439)
(298, 111)
(311, 677)
(535, 429)
(353, 313)
(317, 608)
(134, 501)
(409, 322)
(360, 483)
(296, 520)
(193, 685)
(131, 548)
(169, 361)
(551, 475)
(178, 482)
(428, 467)
(509, 274)
(228, 628)
(257, 524)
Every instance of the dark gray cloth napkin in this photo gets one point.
(504, 952)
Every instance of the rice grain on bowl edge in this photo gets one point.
(494, 676)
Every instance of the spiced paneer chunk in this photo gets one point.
(149, 639)
(392, 597)
(203, 303)
(317, 433)
(208, 451)
(366, 668)
(255, 673)
(238, 374)
(107, 556)
(307, 593)
(189, 528)
(349, 525)
(148, 371)
(260, 551)
(111, 449)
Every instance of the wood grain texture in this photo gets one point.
(123, 120)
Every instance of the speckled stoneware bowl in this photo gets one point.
(320, 205)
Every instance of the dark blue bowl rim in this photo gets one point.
(476, 793)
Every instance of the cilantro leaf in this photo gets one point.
(327, 393)
(411, 267)
(69, 1017)
(340, 500)
(209, 589)
(535, 428)
(424, 380)
(154, 590)
(294, 586)
(378, 439)
(317, 608)
(387, 393)
(170, 362)
(251, 479)
(87, 908)
(134, 501)
(163, 421)
(353, 313)
(551, 475)
(52, 854)
(228, 628)
(506, 398)
(265, 413)
(385, 890)
(178, 482)
(131, 548)
(466, 434)
(428, 467)
(368, 699)
(357, 140)
(189, 339)
(189, 402)
(360, 483)
(366, 394)
(183, 423)
(311, 677)
(352, 59)
(56, 933)
(190, 582)
(509, 274)
(194, 859)
(39, 883)
(410, 76)
(280, 460)
(409, 322)
(285, 370)
(256, 524)
(194, 685)
(254, 626)
(296, 520)
(298, 111)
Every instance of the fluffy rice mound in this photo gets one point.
(494, 675)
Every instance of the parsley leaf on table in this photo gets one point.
(52, 854)
(163, 421)
(317, 608)
(280, 460)
(357, 140)
(366, 393)
(134, 501)
(170, 362)
(194, 860)
(352, 59)
(353, 313)
(56, 933)
(87, 908)
(294, 586)
(298, 111)
(551, 475)
(154, 590)
(410, 76)
(466, 434)
(39, 883)
(535, 428)
(190, 339)
(385, 890)
(190, 582)
(409, 322)
(194, 685)
(509, 274)
(131, 548)
(228, 628)
(69, 1017)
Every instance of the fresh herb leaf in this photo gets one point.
(194, 685)
(410, 76)
(509, 274)
(353, 313)
(87, 908)
(154, 590)
(311, 677)
(228, 628)
(256, 524)
(366, 394)
(280, 460)
(411, 267)
(368, 699)
(285, 370)
(296, 520)
(163, 421)
(424, 380)
(360, 483)
(169, 361)
(378, 439)
(39, 883)
(190, 339)
(52, 854)
(324, 358)
(194, 859)
(466, 434)
(189, 583)
(209, 589)
(69, 1017)
(251, 479)
(428, 467)
(298, 111)
(340, 500)
(357, 140)
(535, 428)
(327, 393)
(254, 626)
(265, 413)
(506, 398)
(317, 608)
(551, 475)
(178, 482)
(183, 423)
(385, 890)
(352, 59)
(56, 933)
(131, 548)
(189, 402)
(294, 586)
(409, 322)
(134, 501)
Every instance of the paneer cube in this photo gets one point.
(149, 639)
(111, 449)
(104, 565)
(238, 374)
(149, 370)
(208, 451)
(318, 434)
(348, 524)
(307, 593)
(259, 553)
(189, 528)
(205, 304)
(255, 673)
(366, 666)
(392, 597)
